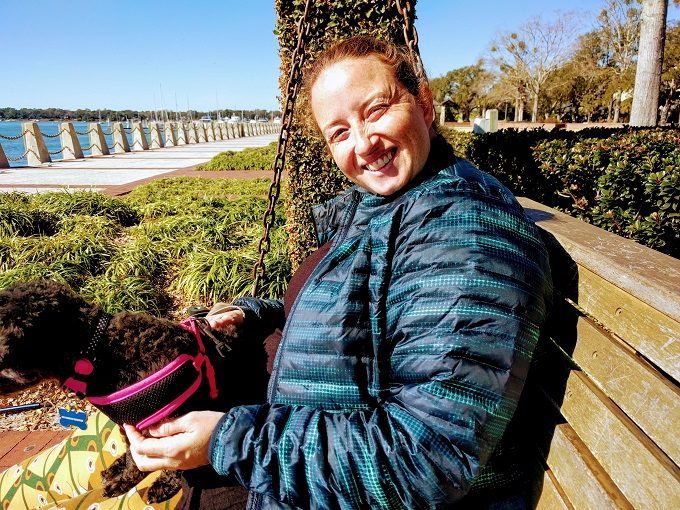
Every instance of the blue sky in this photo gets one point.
(201, 54)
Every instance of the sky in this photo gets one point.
(207, 55)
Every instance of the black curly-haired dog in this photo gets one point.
(45, 329)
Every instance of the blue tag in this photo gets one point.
(72, 417)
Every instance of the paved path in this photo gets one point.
(101, 173)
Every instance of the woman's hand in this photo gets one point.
(178, 443)
(231, 316)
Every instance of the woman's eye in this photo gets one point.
(377, 111)
(338, 136)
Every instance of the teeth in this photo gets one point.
(379, 163)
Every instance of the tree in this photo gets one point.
(577, 91)
(619, 29)
(670, 79)
(527, 57)
(650, 62)
(465, 86)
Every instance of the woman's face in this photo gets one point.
(377, 132)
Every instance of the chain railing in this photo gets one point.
(12, 138)
(86, 133)
(19, 158)
(292, 89)
(55, 135)
(74, 148)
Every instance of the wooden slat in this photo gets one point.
(646, 396)
(580, 476)
(642, 472)
(650, 332)
(550, 498)
(9, 439)
(25, 445)
(640, 271)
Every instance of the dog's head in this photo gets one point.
(41, 324)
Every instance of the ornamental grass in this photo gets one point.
(167, 245)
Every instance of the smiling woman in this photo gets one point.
(406, 338)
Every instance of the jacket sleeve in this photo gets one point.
(262, 316)
(464, 295)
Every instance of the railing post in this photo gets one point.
(181, 133)
(209, 132)
(69, 142)
(200, 128)
(138, 137)
(217, 130)
(35, 144)
(156, 142)
(170, 139)
(193, 134)
(224, 129)
(4, 163)
(98, 145)
(120, 141)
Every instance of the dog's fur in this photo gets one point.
(44, 326)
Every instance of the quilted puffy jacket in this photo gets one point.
(404, 354)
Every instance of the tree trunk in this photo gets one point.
(519, 111)
(617, 107)
(534, 108)
(650, 61)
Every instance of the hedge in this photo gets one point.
(625, 181)
(312, 176)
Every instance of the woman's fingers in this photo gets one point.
(232, 317)
(180, 443)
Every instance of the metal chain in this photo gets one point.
(411, 35)
(22, 156)
(85, 133)
(54, 136)
(292, 88)
(56, 152)
(12, 138)
(88, 147)
(107, 133)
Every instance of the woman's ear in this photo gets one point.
(425, 101)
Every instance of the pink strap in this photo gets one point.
(190, 325)
(168, 409)
(144, 383)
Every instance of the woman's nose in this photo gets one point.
(363, 143)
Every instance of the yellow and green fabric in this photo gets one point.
(67, 476)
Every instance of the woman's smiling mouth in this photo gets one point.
(379, 163)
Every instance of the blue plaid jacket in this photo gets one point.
(404, 355)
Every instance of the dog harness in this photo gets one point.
(169, 387)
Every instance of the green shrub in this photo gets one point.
(86, 203)
(131, 293)
(146, 251)
(252, 158)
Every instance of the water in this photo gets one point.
(15, 148)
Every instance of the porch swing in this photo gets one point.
(293, 85)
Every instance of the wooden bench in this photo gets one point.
(604, 386)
